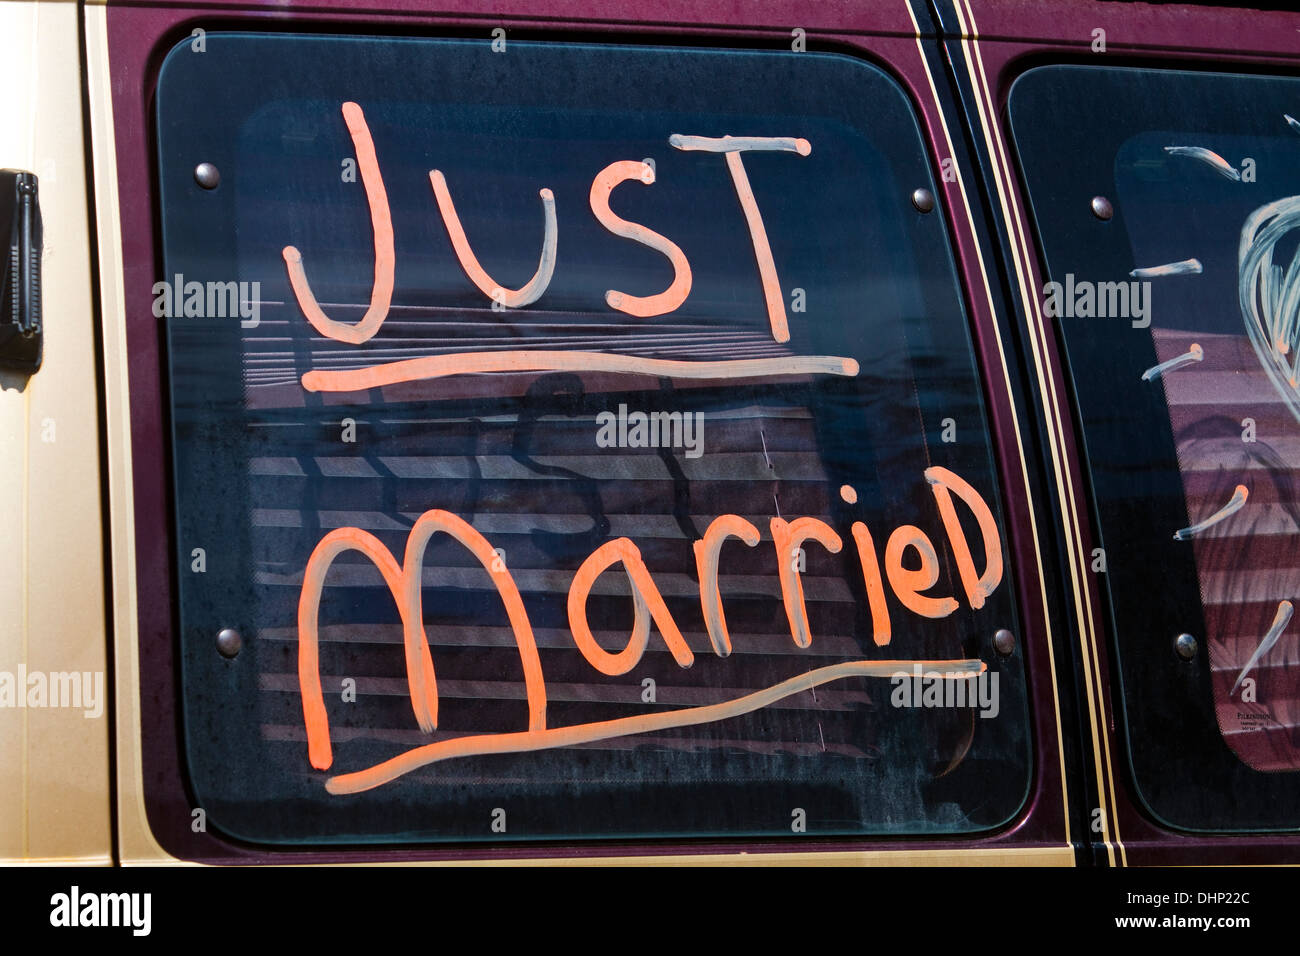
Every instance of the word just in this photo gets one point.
(602, 186)
(910, 565)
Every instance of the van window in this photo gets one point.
(573, 442)
(1178, 318)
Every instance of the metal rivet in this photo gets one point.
(923, 199)
(1185, 646)
(1004, 642)
(1101, 207)
(229, 642)
(207, 175)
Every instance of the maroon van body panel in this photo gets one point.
(1016, 35)
(139, 37)
(1011, 35)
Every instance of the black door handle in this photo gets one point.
(20, 282)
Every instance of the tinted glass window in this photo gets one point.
(567, 469)
(1179, 320)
